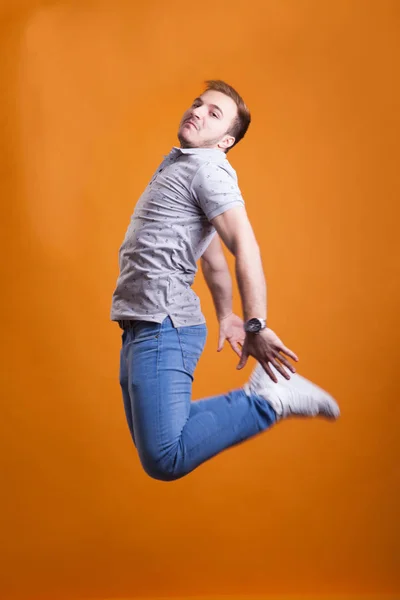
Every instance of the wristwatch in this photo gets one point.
(255, 325)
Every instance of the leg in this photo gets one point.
(173, 435)
(124, 383)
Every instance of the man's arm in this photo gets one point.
(237, 234)
(218, 278)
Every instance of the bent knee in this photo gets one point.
(162, 470)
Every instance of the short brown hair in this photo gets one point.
(241, 124)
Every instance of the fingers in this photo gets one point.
(236, 345)
(221, 343)
(269, 371)
(279, 368)
(289, 353)
(285, 362)
(243, 359)
(236, 348)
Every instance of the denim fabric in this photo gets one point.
(173, 434)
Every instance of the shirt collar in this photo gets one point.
(212, 153)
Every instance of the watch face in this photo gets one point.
(253, 326)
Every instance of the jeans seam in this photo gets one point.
(159, 343)
(192, 330)
(183, 354)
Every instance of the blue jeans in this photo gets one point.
(172, 434)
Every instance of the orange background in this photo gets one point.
(91, 96)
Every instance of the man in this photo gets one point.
(191, 202)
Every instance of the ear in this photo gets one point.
(226, 142)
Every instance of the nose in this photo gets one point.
(196, 112)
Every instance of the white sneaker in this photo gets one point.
(296, 396)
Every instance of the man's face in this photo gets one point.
(206, 123)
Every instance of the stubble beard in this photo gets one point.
(187, 144)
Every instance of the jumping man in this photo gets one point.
(192, 202)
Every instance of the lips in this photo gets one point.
(189, 122)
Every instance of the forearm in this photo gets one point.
(235, 230)
(251, 281)
(219, 282)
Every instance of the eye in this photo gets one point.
(214, 114)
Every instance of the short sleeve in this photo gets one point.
(215, 188)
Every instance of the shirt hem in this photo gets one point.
(176, 321)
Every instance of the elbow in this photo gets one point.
(205, 266)
(246, 247)
(218, 265)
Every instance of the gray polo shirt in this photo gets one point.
(168, 232)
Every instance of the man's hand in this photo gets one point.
(231, 329)
(267, 348)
